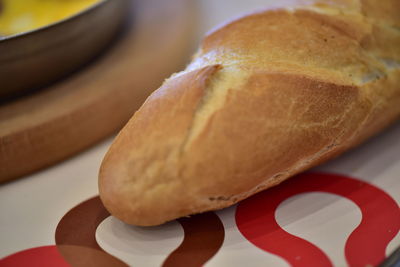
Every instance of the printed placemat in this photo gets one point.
(345, 213)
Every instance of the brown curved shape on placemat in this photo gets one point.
(75, 235)
(78, 226)
(204, 235)
(76, 231)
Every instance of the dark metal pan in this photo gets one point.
(36, 58)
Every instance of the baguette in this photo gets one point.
(267, 96)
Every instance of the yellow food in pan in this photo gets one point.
(18, 16)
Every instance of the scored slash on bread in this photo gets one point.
(267, 96)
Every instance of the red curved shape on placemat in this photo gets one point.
(366, 245)
(204, 235)
(380, 224)
(255, 218)
(46, 256)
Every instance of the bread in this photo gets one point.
(267, 96)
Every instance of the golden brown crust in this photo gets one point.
(267, 96)
(148, 149)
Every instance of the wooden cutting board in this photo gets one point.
(54, 123)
